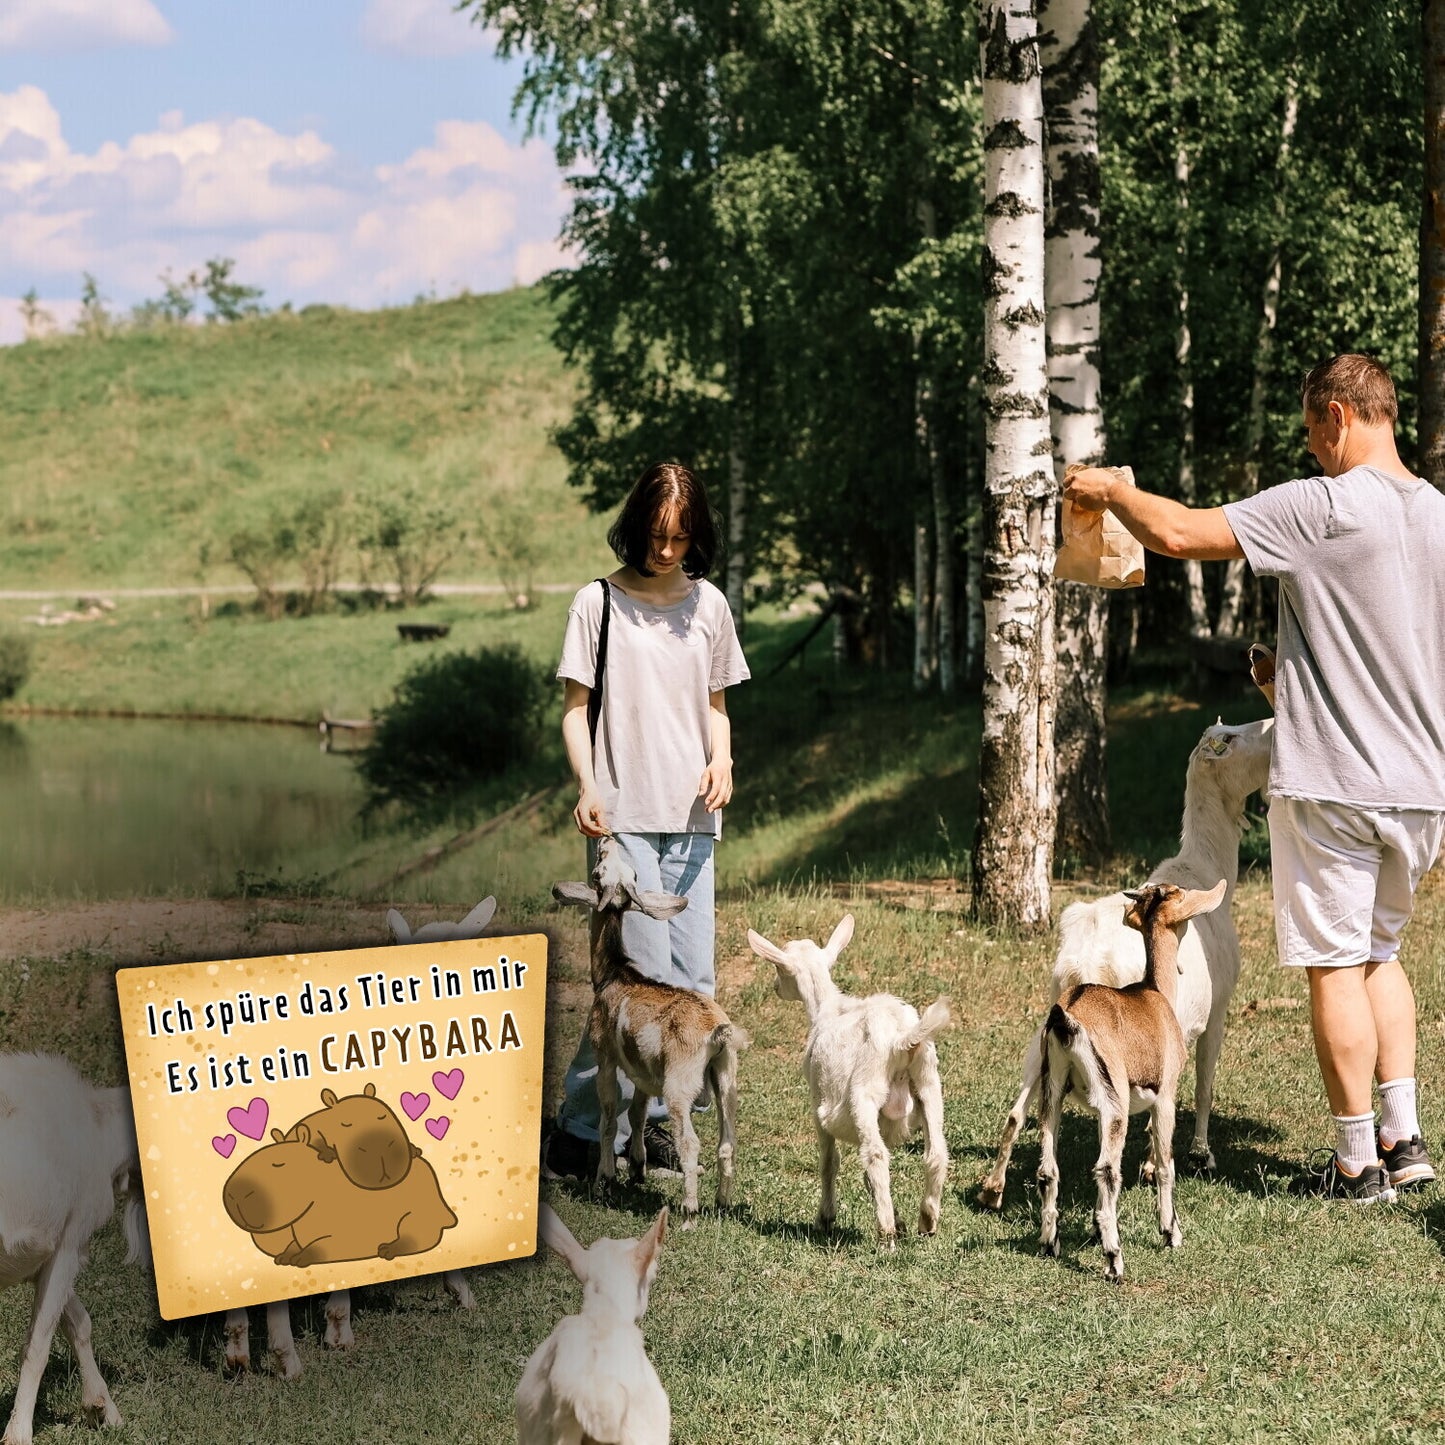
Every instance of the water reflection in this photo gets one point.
(112, 807)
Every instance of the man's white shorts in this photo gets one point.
(1345, 878)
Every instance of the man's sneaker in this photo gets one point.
(1370, 1186)
(569, 1157)
(662, 1153)
(1407, 1163)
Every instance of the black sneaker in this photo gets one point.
(662, 1152)
(1407, 1163)
(569, 1157)
(1370, 1186)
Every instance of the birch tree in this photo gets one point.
(1013, 845)
(1070, 59)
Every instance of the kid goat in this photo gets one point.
(669, 1041)
(590, 1379)
(1226, 766)
(279, 1339)
(872, 1069)
(67, 1147)
(1120, 1052)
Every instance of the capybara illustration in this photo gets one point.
(301, 1210)
(362, 1134)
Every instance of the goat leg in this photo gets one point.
(338, 1320)
(874, 1154)
(1163, 1115)
(679, 1113)
(935, 1148)
(1206, 1060)
(990, 1193)
(607, 1124)
(93, 1393)
(280, 1341)
(637, 1141)
(52, 1290)
(1051, 1108)
(238, 1340)
(828, 1175)
(457, 1286)
(1113, 1127)
(723, 1077)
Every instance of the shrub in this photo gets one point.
(454, 722)
(14, 663)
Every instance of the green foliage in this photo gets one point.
(94, 322)
(409, 536)
(229, 300)
(304, 540)
(455, 721)
(15, 658)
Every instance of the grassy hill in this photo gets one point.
(124, 457)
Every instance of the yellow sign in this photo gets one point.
(322, 1121)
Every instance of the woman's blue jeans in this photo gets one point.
(678, 950)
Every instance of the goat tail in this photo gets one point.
(1061, 1026)
(936, 1017)
(136, 1224)
(730, 1035)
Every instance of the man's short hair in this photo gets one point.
(1358, 380)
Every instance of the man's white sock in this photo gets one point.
(1355, 1141)
(1398, 1119)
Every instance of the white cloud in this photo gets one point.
(470, 211)
(63, 25)
(429, 28)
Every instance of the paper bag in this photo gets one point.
(1096, 547)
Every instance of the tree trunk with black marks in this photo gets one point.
(736, 574)
(1013, 844)
(1070, 58)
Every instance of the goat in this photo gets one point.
(590, 1379)
(1226, 766)
(1120, 1051)
(669, 1041)
(873, 1070)
(67, 1147)
(339, 1335)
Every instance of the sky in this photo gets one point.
(357, 152)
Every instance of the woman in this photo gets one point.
(658, 771)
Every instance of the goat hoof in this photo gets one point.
(1114, 1270)
(1201, 1161)
(1173, 1236)
(1146, 1172)
(887, 1243)
(1049, 1249)
(990, 1196)
(927, 1224)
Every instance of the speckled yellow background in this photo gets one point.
(486, 1162)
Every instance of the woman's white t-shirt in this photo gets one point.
(654, 735)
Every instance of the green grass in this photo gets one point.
(1279, 1318)
(124, 457)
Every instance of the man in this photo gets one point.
(1357, 783)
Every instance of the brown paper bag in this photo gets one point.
(1096, 547)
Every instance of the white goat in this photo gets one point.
(1120, 1051)
(669, 1041)
(590, 1379)
(279, 1339)
(873, 1071)
(1095, 946)
(67, 1147)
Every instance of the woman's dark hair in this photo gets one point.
(658, 488)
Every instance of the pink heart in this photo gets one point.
(223, 1144)
(250, 1121)
(414, 1105)
(449, 1084)
(437, 1128)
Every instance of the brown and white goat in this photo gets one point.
(671, 1042)
(1120, 1051)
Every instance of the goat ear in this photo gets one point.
(764, 949)
(657, 905)
(841, 937)
(648, 1246)
(480, 916)
(556, 1236)
(400, 928)
(582, 895)
(1208, 902)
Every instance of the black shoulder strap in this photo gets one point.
(594, 700)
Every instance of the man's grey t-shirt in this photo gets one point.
(1360, 659)
(654, 734)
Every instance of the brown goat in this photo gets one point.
(1119, 1051)
(671, 1042)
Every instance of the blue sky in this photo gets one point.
(353, 151)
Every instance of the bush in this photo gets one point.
(454, 722)
(14, 663)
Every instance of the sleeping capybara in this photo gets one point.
(362, 1134)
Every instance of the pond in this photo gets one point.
(106, 807)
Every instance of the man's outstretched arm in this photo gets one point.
(1162, 525)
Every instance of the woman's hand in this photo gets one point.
(588, 815)
(716, 787)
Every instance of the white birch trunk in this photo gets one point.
(1184, 367)
(1233, 594)
(1013, 846)
(736, 574)
(1070, 62)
